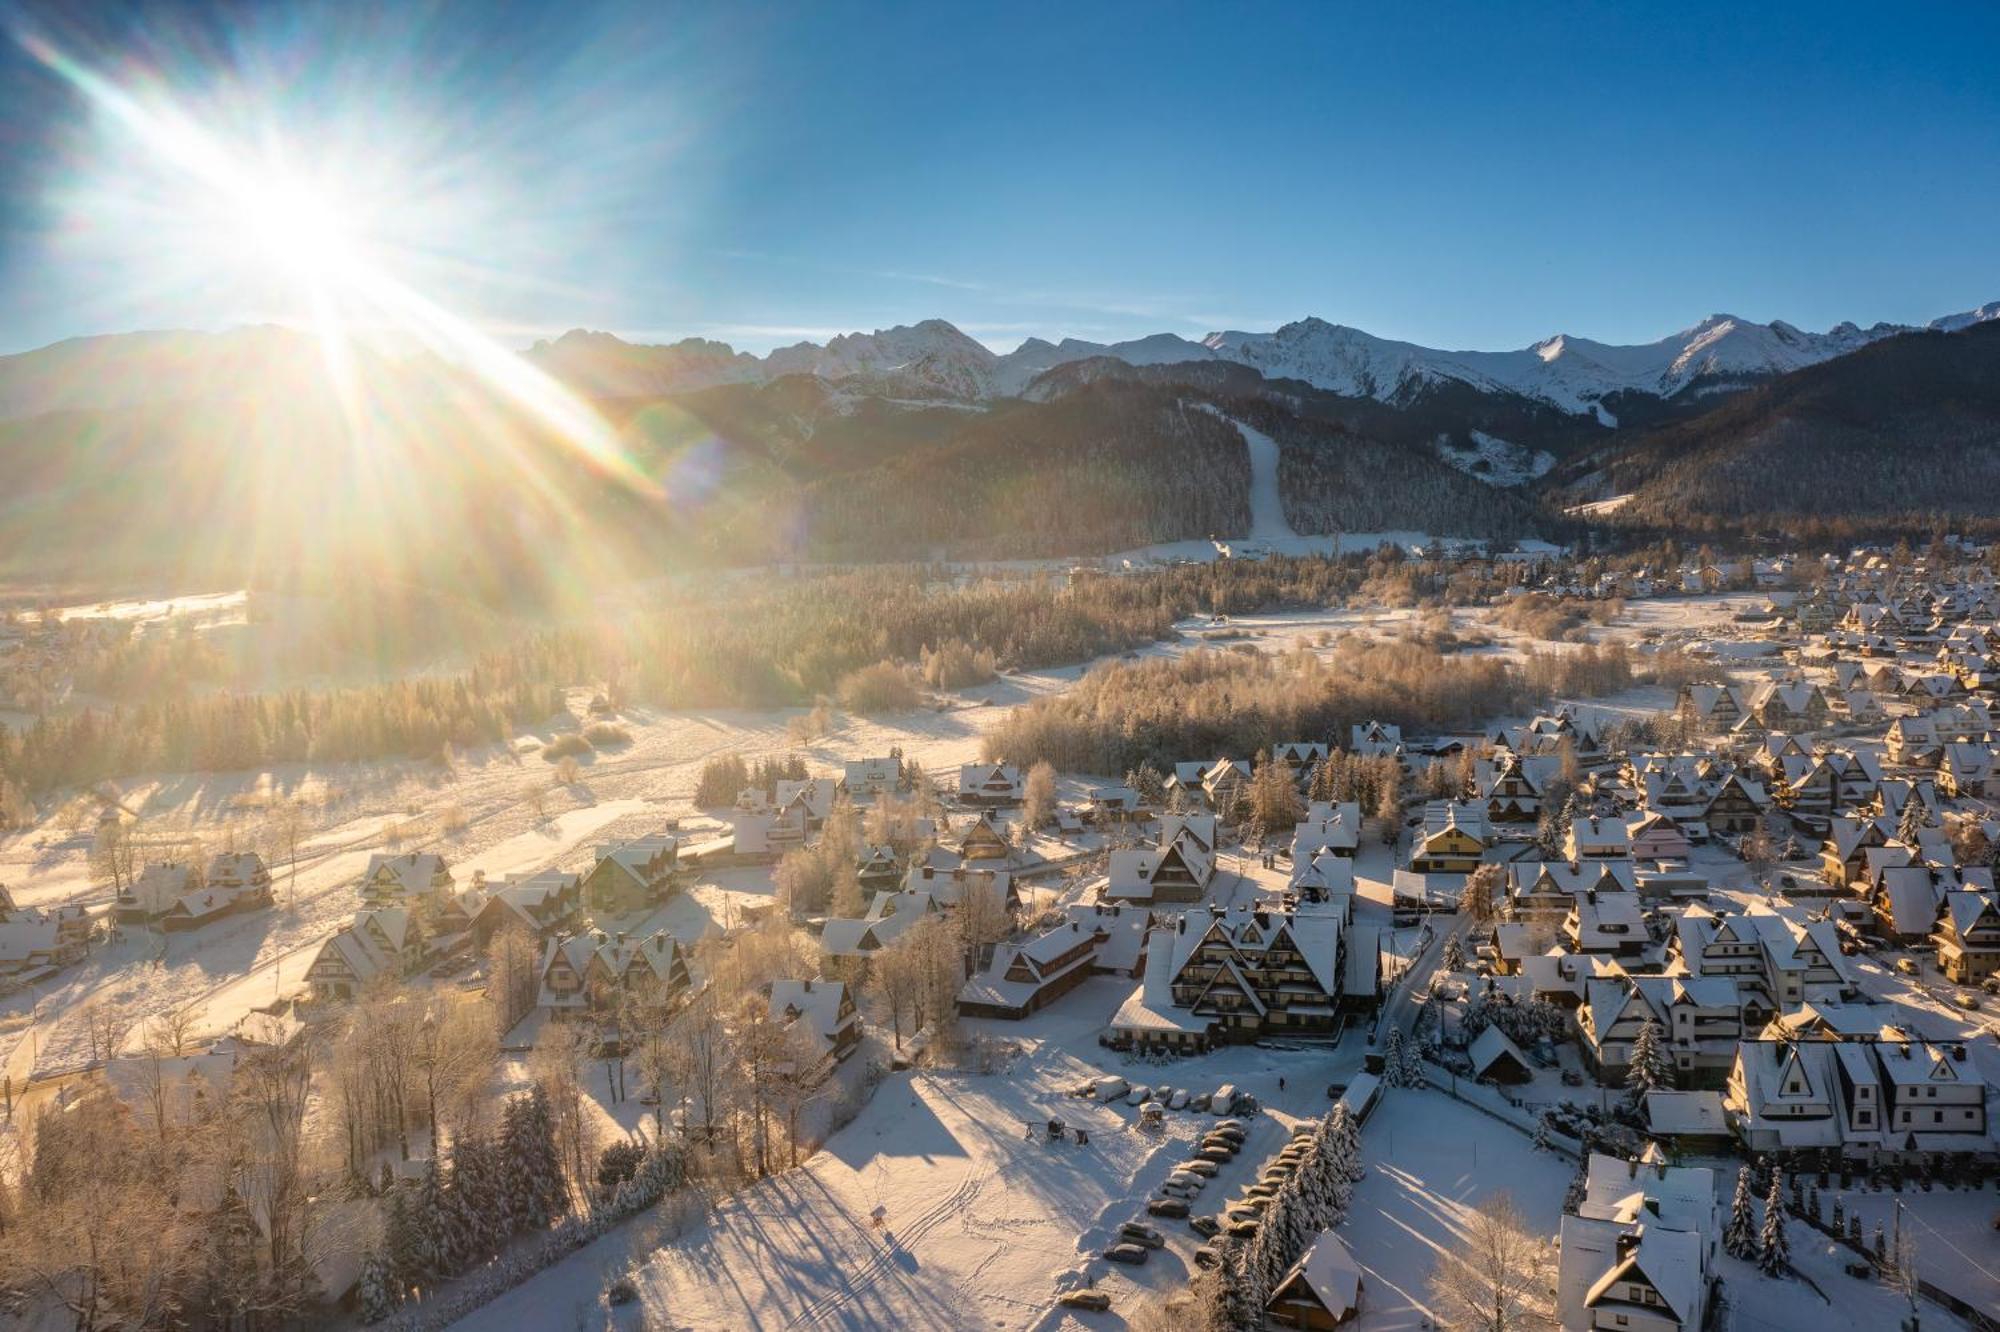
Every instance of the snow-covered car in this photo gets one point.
(1222, 1124)
(1215, 1156)
(1110, 1089)
(1187, 1177)
(1240, 1227)
(1206, 1169)
(1235, 1135)
(1260, 1193)
(1967, 1001)
(1179, 1100)
(1223, 1102)
(1183, 1192)
(1198, 1102)
(1095, 1300)
(1205, 1226)
(1127, 1253)
(1208, 1255)
(1139, 1095)
(1138, 1232)
(1906, 966)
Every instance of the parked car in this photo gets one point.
(1127, 1253)
(1138, 1232)
(1175, 1189)
(1220, 1124)
(1208, 1255)
(1260, 1193)
(1215, 1156)
(1205, 1226)
(1966, 1000)
(1222, 1144)
(1085, 1299)
(1108, 1090)
(1192, 1179)
(1906, 966)
(1335, 1090)
(1235, 1135)
(1223, 1102)
(1198, 1102)
(1242, 1227)
(1206, 1169)
(1139, 1095)
(1174, 1207)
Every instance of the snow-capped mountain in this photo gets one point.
(1575, 375)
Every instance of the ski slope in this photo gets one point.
(1267, 508)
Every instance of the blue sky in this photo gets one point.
(1451, 174)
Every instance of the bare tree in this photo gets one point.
(557, 1064)
(173, 1030)
(1499, 1277)
(701, 1056)
(114, 854)
(287, 828)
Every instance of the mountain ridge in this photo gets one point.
(1579, 377)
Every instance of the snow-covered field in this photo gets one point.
(982, 1224)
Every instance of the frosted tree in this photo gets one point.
(375, 1293)
(1413, 1064)
(434, 1246)
(1498, 1278)
(1394, 1069)
(1774, 1250)
(1739, 1237)
(1346, 1134)
(1454, 954)
(1651, 1067)
(403, 1244)
(1480, 901)
(1911, 823)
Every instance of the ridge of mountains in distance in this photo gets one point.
(921, 442)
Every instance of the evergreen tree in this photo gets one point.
(403, 1244)
(1774, 1251)
(434, 1252)
(1392, 1059)
(1454, 954)
(1910, 825)
(1346, 1132)
(1413, 1064)
(1651, 1068)
(1739, 1237)
(376, 1293)
(462, 1225)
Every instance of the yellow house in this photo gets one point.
(1447, 850)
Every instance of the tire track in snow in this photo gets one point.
(884, 1256)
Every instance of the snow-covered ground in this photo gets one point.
(1267, 508)
(1496, 461)
(983, 1223)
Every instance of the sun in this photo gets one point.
(297, 228)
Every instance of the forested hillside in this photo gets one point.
(1911, 424)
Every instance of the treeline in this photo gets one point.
(1205, 704)
(764, 641)
(1109, 467)
(414, 718)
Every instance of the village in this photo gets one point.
(1702, 968)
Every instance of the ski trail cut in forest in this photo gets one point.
(1267, 507)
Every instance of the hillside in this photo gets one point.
(1905, 425)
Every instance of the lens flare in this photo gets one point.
(302, 228)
